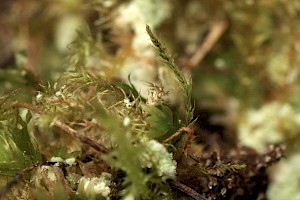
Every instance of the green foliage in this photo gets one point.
(217, 168)
(14, 79)
(22, 139)
(84, 108)
(185, 84)
(63, 152)
(17, 150)
(248, 76)
(81, 49)
(163, 123)
(129, 88)
(126, 158)
(59, 193)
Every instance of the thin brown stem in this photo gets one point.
(10, 184)
(217, 29)
(66, 128)
(179, 132)
(187, 142)
(185, 189)
(81, 137)
(29, 106)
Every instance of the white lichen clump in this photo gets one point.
(273, 123)
(134, 16)
(56, 159)
(39, 96)
(137, 13)
(159, 159)
(128, 103)
(93, 187)
(287, 176)
(69, 161)
(126, 121)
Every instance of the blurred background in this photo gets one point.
(243, 56)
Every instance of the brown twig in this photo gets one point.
(179, 132)
(28, 106)
(217, 29)
(190, 133)
(10, 184)
(185, 189)
(66, 128)
(81, 137)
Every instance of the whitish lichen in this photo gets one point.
(93, 187)
(287, 176)
(273, 123)
(156, 156)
